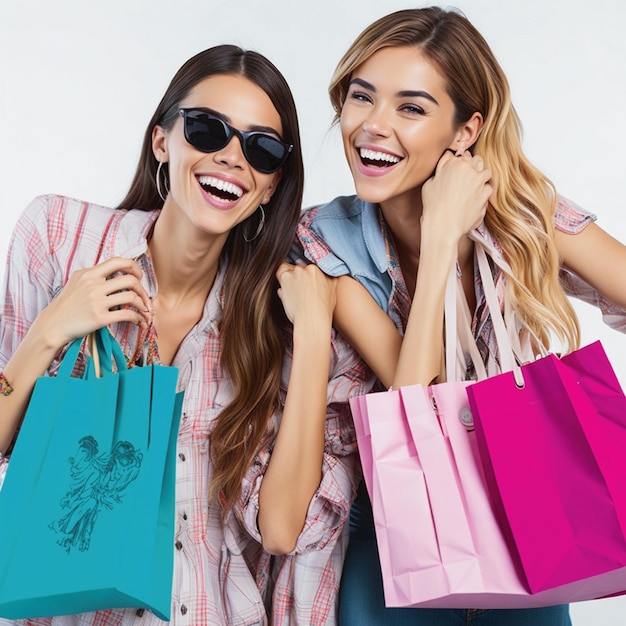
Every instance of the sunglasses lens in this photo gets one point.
(265, 153)
(204, 132)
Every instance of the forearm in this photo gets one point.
(421, 355)
(367, 328)
(295, 468)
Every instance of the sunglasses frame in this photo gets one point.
(241, 134)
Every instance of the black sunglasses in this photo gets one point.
(209, 133)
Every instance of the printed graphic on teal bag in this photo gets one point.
(97, 482)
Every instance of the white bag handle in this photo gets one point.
(459, 337)
(455, 309)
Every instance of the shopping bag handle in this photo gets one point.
(459, 337)
(104, 350)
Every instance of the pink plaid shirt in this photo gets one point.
(221, 574)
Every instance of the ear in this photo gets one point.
(467, 134)
(159, 145)
(269, 192)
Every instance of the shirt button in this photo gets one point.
(183, 610)
(184, 516)
(179, 545)
(181, 456)
(140, 612)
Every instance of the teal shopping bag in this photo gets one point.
(87, 505)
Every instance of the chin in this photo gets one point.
(371, 193)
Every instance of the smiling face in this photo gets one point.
(396, 122)
(218, 190)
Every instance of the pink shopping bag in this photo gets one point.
(555, 451)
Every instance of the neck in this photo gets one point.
(403, 218)
(185, 261)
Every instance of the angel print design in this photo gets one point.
(97, 482)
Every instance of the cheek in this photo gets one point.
(428, 146)
(348, 122)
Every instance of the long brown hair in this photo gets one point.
(253, 323)
(521, 209)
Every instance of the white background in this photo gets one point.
(80, 80)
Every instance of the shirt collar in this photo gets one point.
(132, 240)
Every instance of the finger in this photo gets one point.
(478, 163)
(125, 282)
(284, 268)
(447, 156)
(118, 264)
(125, 299)
(126, 315)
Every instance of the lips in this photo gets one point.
(377, 158)
(223, 190)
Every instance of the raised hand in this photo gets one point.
(455, 198)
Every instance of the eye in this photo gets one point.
(412, 109)
(359, 96)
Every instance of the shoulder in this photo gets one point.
(343, 237)
(61, 215)
(72, 233)
(570, 218)
(344, 226)
(343, 209)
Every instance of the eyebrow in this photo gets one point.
(254, 128)
(401, 94)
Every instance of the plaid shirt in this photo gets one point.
(221, 574)
(328, 235)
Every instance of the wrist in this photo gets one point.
(437, 234)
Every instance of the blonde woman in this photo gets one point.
(433, 144)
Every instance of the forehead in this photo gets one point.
(242, 103)
(401, 68)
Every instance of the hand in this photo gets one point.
(455, 198)
(108, 293)
(306, 291)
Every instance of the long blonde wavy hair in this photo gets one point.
(520, 212)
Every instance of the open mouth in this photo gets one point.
(373, 158)
(220, 188)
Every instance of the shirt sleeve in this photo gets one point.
(330, 506)
(315, 249)
(4, 464)
(572, 219)
(29, 280)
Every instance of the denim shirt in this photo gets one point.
(344, 237)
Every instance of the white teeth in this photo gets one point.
(220, 184)
(371, 155)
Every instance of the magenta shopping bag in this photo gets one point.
(555, 451)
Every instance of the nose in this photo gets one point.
(376, 123)
(231, 154)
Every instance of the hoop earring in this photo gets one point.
(259, 228)
(158, 182)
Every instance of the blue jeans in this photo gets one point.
(361, 600)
